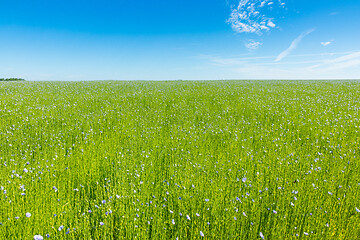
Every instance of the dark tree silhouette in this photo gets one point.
(11, 79)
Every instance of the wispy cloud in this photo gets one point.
(297, 59)
(326, 43)
(346, 61)
(248, 16)
(326, 65)
(293, 45)
(253, 45)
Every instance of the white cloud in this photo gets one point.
(271, 24)
(326, 43)
(248, 16)
(253, 45)
(293, 45)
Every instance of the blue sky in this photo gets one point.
(179, 39)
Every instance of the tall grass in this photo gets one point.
(186, 160)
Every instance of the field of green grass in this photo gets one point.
(180, 160)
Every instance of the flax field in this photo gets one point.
(180, 160)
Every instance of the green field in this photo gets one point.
(180, 159)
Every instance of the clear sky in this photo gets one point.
(179, 39)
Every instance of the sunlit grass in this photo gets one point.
(187, 160)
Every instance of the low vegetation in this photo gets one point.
(11, 79)
(180, 160)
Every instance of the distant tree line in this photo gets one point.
(11, 79)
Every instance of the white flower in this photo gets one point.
(28, 214)
(201, 233)
(38, 237)
(262, 235)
